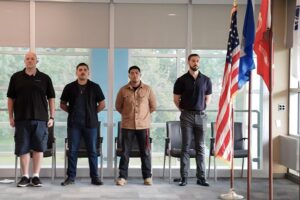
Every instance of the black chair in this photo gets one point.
(239, 145)
(82, 152)
(50, 152)
(134, 153)
(173, 145)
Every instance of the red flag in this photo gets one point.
(223, 143)
(262, 42)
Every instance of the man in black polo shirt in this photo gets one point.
(192, 93)
(28, 94)
(82, 100)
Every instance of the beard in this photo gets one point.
(82, 77)
(194, 68)
(31, 66)
(135, 81)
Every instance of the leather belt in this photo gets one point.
(195, 112)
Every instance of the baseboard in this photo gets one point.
(293, 178)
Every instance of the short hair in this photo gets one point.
(82, 64)
(133, 67)
(193, 55)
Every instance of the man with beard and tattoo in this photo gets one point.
(82, 100)
(192, 93)
(135, 102)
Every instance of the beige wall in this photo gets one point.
(281, 80)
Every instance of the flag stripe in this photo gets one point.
(223, 142)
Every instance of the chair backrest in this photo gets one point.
(238, 135)
(50, 143)
(174, 134)
(135, 146)
(51, 137)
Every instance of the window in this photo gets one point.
(59, 64)
(11, 60)
(212, 64)
(159, 68)
(294, 106)
(294, 110)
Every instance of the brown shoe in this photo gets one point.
(148, 181)
(121, 181)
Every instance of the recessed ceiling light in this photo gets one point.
(171, 14)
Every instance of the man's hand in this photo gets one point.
(50, 122)
(12, 122)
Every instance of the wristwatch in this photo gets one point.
(52, 118)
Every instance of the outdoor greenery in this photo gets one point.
(160, 69)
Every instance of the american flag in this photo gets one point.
(223, 142)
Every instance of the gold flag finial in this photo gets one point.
(234, 2)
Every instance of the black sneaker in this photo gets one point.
(183, 181)
(36, 182)
(68, 181)
(24, 182)
(96, 181)
(203, 182)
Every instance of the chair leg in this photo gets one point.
(101, 167)
(54, 161)
(65, 165)
(208, 166)
(242, 168)
(215, 169)
(164, 167)
(170, 169)
(115, 166)
(52, 170)
(151, 160)
(16, 169)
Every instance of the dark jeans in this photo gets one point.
(75, 132)
(192, 125)
(142, 137)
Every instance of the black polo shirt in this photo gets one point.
(193, 91)
(93, 95)
(30, 94)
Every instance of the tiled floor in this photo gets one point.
(283, 190)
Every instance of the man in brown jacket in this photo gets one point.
(135, 102)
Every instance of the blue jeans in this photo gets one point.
(192, 126)
(75, 132)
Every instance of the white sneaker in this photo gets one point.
(148, 181)
(121, 181)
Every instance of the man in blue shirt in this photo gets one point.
(192, 93)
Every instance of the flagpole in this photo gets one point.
(232, 129)
(270, 107)
(232, 154)
(231, 61)
(270, 127)
(249, 166)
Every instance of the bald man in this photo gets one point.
(29, 94)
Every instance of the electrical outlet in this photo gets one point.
(281, 107)
(278, 123)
